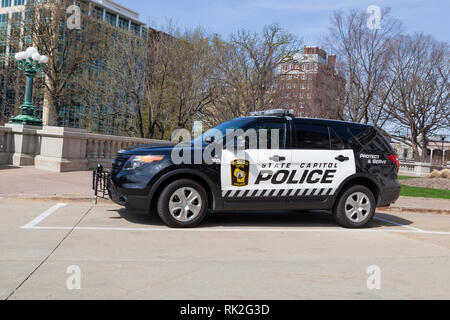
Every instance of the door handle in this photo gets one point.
(342, 158)
(277, 159)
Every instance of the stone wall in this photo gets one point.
(59, 149)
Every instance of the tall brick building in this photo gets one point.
(311, 86)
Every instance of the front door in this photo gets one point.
(248, 174)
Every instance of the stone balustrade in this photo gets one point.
(418, 168)
(5, 138)
(61, 149)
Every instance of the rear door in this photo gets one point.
(319, 159)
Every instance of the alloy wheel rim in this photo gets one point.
(185, 204)
(358, 207)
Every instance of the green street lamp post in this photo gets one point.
(31, 62)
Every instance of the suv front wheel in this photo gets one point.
(183, 204)
(355, 208)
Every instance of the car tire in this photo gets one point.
(183, 204)
(355, 207)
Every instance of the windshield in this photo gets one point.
(223, 128)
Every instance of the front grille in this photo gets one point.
(120, 161)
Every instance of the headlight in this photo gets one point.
(136, 162)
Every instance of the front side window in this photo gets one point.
(270, 135)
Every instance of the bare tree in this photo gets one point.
(69, 50)
(156, 111)
(193, 67)
(248, 67)
(12, 80)
(180, 82)
(419, 100)
(363, 61)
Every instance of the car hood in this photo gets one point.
(148, 148)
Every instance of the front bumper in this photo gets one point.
(104, 185)
(133, 202)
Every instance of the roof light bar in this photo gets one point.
(273, 113)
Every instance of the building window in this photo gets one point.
(111, 18)
(98, 13)
(6, 3)
(136, 28)
(123, 23)
(4, 19)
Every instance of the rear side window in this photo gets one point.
(311, 137)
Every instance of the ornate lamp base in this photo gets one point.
(27, 117)
(26, 120)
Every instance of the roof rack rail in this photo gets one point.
(273, 113)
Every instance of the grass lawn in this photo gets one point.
(417, 192)
(406, 178)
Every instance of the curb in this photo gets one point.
(56, 198)
(415, 210)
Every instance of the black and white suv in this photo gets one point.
(305, 164)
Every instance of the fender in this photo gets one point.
(352, 177)
(161, 180)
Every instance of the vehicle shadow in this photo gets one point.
(274, 219)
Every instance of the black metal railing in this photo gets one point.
(100, 182)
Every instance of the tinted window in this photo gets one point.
(223, 129)
(311, 137)
(270, 135)
(363, 139)
(336, 141)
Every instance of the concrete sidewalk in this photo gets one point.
(28, 182)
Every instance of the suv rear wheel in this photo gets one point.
(183, 204)
(355, 208)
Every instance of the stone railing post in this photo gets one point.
(5, 137)
(89, 148)
(62, 149)
(422, 169)
(23, 145)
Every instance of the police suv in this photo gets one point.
(306, 164)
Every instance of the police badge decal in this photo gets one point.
(240, 170)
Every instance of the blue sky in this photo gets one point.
(308, 19)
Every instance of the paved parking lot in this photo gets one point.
(279, 255)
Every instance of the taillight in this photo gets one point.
(394, 158)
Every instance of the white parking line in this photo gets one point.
(44, 216)
(33, 225)
(286, 230)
